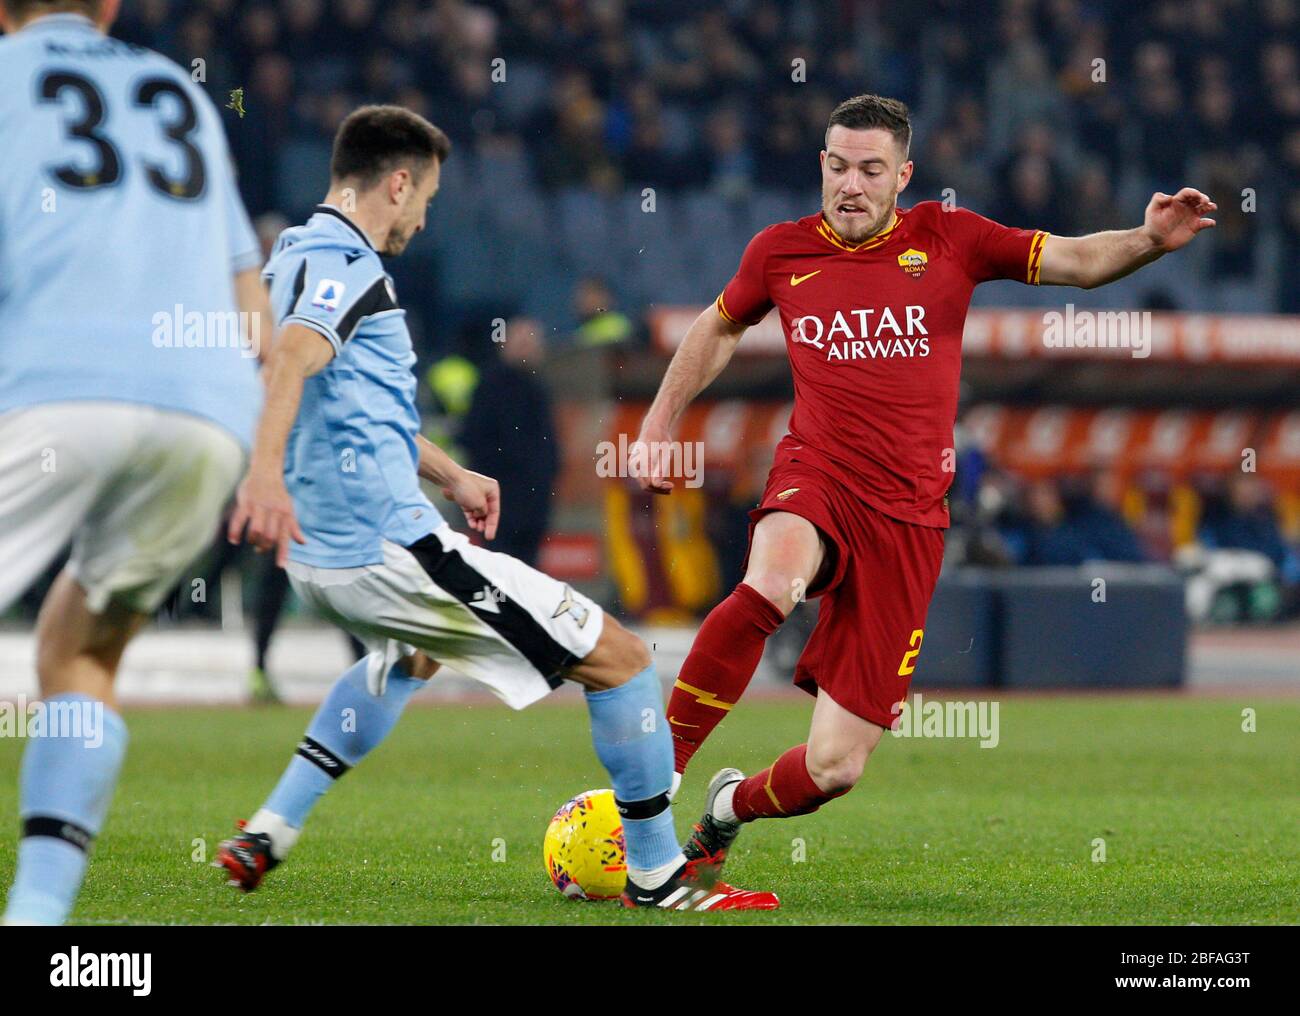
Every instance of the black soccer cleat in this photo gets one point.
(711, 838)
(246, 857)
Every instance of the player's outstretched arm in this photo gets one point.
(1094, 260)
(478, 496)
(704, 352)
(262, 502)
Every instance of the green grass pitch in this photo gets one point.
(1199, 819)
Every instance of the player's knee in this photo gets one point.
(776, 585)
(63, 669)
(618, 657)
(838, 774)
(419, 666)
(630, 654)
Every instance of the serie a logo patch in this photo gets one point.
(328, 294)
(913, 262)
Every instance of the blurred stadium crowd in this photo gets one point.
(572, 119)
(1054, 114)
(1233, 535)
(1228, 534)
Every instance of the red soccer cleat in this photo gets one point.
(682, 892)
(246, 857)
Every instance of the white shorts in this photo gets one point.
(138, 491)
(484, 614)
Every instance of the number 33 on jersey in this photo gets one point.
(110, 141)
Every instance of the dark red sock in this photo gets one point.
(717, 671)
(780, 791)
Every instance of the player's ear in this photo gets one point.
(398, 182)
(904, 176)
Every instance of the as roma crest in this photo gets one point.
(913, 262)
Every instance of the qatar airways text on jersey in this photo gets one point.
(864, 334)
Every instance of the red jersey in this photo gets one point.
(874, 333)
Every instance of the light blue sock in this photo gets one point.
(64, 791)
(633, 743)
(349, 724)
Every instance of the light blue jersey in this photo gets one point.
(352, 460)
(120, 231)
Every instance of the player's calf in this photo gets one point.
(719, 667)
(628, 731)
(808, 775)
(625, 700)
(787, 555)
(783, 790)
(349, 724)
(69, 774)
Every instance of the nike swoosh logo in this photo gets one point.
(679, 723)
(796, 279)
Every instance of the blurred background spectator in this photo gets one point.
(509, 433)
(600, 322)
(1249, 571)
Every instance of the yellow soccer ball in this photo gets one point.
(583, 849)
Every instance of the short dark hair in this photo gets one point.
(864, 112)
(373, 141)
(22, 9)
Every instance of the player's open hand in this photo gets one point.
(1173, 219)
(479, 498)
(263, 504)
(648, 460)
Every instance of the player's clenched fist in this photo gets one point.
(263, 504)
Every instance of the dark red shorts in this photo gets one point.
(872, 622)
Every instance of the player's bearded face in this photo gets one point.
(863, 172)
(415, 205)
(398, 239)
